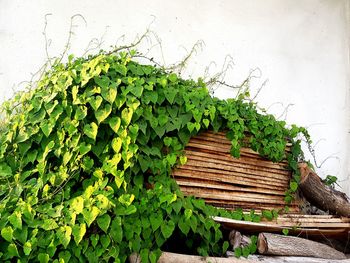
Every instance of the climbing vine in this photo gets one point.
(86, 157)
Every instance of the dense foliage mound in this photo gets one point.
(86, 156)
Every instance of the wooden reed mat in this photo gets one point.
(250, 182)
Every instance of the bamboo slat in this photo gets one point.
(249, 182)
(336, 228)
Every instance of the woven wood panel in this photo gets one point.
(250, 182)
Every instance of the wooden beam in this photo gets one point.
(280, 245)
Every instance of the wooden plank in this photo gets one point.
(253, 227)
(229, 177)
(224, 186)
(245, 160)
(225, 195)
(243, 171)
(247, 206)
(269, 172)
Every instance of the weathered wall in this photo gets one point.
(301, 47)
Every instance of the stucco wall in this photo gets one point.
(301, 47)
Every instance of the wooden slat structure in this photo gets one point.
(300, 225)
(250, 182)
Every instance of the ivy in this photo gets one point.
(86, 158)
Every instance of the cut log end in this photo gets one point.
(262, 244)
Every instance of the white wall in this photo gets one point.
(301, 47)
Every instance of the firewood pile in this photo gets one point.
(252, 182)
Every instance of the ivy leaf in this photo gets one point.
(136, 90)
(114, 123)
(116, 144)
(102, 81)
(12, 251)
(172, 77)
(43, 257)
(7, 233)
(27, 248)
(78, 231)
(84, 148)
(64, 235)
(170, 94)
(5, 170)
(16, 219)
(95, 102)
(156, 221)
(126, 116)
(47, 126)
(167, 229)
(102, 114)
(116, 230)
(285, 231)
(293, 186)
(77, 204)
(90, 214)
(109, 94)
(49, 224)
(91, 130)
(103, 222)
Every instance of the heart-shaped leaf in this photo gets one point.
(102, 81)
(156, 221)
(167, 229)
(103, 222)
(7, 233)
(90, 214)
(117, 144)
(78, 231)
(126, 116)
(46, 126)
(103, 113)
(109, 94)
(170, 94)
(91, 130)
(84, 148)
(114, 123)
(95, 102)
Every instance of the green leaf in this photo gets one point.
(167, 229)
(5, 170)
(156, 220)
(95, 102)
(16, 219)
(84, 148)
(102, 81)
(116, 230)
(109, 94)
(43, 257)
(27, 248)
(77, 204)
(285, 231)
(12, 251)
(172, 77)
(7, 233)
(90, 214)
(103, 222)
(136, 90)
(64, 235)
(78, 231)
(170, 94)
(103, 113)
(116, 144)
(126, 116)
(49, 224)
(114, 123)
(47, 126)
(91, 130)
(293, 186)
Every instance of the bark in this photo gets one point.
(279, 245)
(321, 195)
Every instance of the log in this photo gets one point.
(321, 195)
(237, 240)
(279, 259)
(280, 245)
